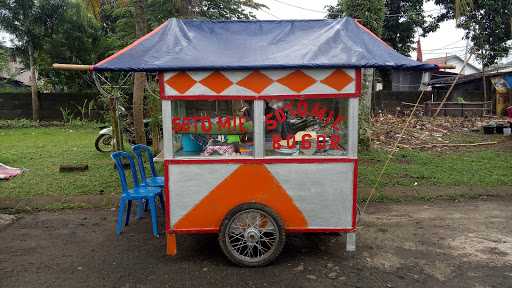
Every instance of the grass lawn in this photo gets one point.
(42, 150)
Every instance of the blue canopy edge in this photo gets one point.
(178, 45)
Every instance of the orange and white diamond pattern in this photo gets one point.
(261, 82)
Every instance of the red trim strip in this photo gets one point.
(135, 43)
(196, 230)
(167, 197)
(266, 97)
(372, 34)
(261, 161)
(354, 196)
(359, 81)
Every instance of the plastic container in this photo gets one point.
(507, 131)
(489, 129)
(189, 144)
(499, 128)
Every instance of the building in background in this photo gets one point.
(456, 61)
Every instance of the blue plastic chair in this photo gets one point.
(154, 180)
(137, 193)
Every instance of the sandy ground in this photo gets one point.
(441, 244)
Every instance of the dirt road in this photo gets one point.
(442, 244)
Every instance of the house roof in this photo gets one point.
(225, 45)
(440, 61)
(445, 81)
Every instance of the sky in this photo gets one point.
(446, 40)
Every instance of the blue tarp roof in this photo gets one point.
(225, 45)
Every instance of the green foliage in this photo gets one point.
(371, 12)
(4, 59)
(398, 29)
(487, 23)
(76, 39)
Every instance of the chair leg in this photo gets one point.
(140, 209)
(162, 203)
(120, 213)
(128, 211)
(154, 219)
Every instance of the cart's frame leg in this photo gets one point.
(171, 244)
(351, 242)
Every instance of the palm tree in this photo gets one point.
(461, 7)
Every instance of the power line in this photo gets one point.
(340, 14)
(270, 14)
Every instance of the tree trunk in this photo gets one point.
(484, 84)
(139, 81)
(185, 8)
(33, 83)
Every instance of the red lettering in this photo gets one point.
(271, 123)
(318, 111)
(275, 142)
(280, 115)
(305, 143)
(290, 142)
(204, 120)
(335, 142)
(196, 122)
(225, 125)
(241, 122)
(302, 108)
(321, 142)
(176, 124)
(329, 118)
(185, 124)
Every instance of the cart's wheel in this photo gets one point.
(252, 235)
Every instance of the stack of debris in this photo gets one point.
(425, 132)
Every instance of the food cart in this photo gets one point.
(260, 124)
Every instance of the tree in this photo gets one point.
(398, 27)
(487, 24)
(31, 22)
(139, 79)
(405, 18)
(370, 12)
(76, 39)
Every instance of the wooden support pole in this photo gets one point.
(72, 67)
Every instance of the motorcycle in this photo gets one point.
(105, 140)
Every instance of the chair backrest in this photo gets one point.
(139, 149)
(118, 159)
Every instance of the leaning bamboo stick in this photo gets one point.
(73, 67)
(448, 144)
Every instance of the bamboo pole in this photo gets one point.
(72, 67)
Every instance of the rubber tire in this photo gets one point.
(252, 206)
(100, 138)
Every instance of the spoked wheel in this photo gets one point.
(252, 235)
(104, 143)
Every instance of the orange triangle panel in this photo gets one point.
(248, 183)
